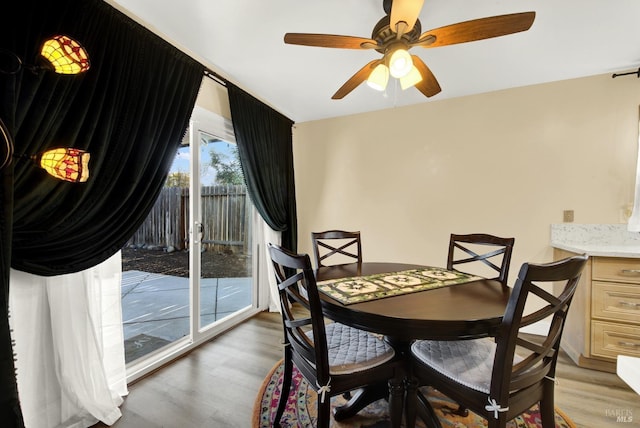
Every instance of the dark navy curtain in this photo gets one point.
(130, 111)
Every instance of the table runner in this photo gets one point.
(359, 289)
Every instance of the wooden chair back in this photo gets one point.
(342, 246)
(358, 357)
(492, 253)
(297, 284)
(520, 382)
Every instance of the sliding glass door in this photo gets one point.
(189, 273)
(222, 244)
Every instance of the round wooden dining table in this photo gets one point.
(462, 311)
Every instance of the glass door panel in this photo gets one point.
(156, 307)
(225, 232)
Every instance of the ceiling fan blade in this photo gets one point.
(476, 29)
(355, 80)
(330, 41)
(429, 86)
(405, 11)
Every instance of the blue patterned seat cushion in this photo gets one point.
(352, 350)
(469, 362)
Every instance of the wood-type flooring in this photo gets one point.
(215, 385)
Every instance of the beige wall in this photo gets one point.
(506, 163)
(213, 97)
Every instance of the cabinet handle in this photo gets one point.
(630, 271)
(630, 304)
(629, 344)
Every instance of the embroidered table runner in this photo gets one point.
(359, 289)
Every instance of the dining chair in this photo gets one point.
(487, 253)
(332, 357)
(340, 245)
(501, 377)
(481, 254)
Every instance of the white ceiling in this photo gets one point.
(242, 40)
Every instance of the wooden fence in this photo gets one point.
(225, 219)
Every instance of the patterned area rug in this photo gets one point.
(301, 409)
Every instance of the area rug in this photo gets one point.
(301, 409)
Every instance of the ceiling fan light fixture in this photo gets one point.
(411, 78)
(400, 63)
(379, 77)
(401, 30)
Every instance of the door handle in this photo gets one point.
(199, 232)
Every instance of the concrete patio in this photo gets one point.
(155, 307)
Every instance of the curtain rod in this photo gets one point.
(215, 77)
(637, 73)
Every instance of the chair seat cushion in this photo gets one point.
(352, 350)
(468, 362)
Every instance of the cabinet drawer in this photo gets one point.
(610, 340)
(615, 301)
(616, 269)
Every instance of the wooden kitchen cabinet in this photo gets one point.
(604, 318)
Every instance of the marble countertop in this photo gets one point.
(607, 240)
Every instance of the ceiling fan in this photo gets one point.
(400, 30)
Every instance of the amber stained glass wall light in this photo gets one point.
(65, 163)
(64, 56)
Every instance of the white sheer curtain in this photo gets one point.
(69, 346)
(269, 235)
(633, 225)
